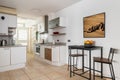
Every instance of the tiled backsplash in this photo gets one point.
(9, 39)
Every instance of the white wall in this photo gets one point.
(74, 22)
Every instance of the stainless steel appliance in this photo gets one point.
(37, 49)
(3, 42)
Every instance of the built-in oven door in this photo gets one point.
(37, 49)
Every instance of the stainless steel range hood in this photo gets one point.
(46, 24)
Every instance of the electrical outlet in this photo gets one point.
(57, 40)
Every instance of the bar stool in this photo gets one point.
(105, 61)
(74, 57)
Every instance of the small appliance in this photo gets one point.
(3, 42)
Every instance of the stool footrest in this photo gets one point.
(103, 76)
(80, 74)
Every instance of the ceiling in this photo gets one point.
(37, 8)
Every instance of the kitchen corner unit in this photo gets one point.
(12, 57)
(53, 54)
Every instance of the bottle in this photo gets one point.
(53, 41)
(43, 41)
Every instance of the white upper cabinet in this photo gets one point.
(12, 21)
(3, 24)
(6, 21)
(57, 22)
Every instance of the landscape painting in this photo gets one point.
(94, 26)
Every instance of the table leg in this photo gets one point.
(90, 64)
(83, 61)
(70, 63)
(101, 63)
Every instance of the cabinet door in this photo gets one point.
(48, 54)
(4, 24)
(42, 51)
(18, 55)
(63, 57)
(4, 56)
(12, 21)
(0, 26)
(55, 54)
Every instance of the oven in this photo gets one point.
(37, 49)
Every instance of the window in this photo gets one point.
(22, 34)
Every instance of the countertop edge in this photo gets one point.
(13, 46)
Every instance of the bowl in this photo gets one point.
(88, 45)
(55, 32)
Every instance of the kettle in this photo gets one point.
(3, 42)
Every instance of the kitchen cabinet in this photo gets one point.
(62, 52)
(13, 57)
(42, 51)
(56, 55)
(48, 54)
(56, 22)
(8, 21)
(3, 24)
(12, 22)
(4, 56)
(18, 55)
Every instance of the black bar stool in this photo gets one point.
(105, 61)
(74, 60)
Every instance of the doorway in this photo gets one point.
(26, 35)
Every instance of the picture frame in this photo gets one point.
(94, 26)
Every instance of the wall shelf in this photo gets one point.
(58, 34)
(44, 32)
(57, 27)
(6, 35)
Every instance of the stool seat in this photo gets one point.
(103, 60)
(76, 55)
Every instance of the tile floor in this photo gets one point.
(38, 70)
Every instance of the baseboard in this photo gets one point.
(11, 67)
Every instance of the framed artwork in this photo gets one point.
(94, 26)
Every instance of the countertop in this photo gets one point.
(16, 45)
(50, 44)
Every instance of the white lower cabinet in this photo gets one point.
(55, 54)
(12, 58)
(42, 51)
(4, 57)
(18, 55)
(58, 54)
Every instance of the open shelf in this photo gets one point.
(44, 32)
(6, 35)
(11, 27)
(58, 34)
(57, 27)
